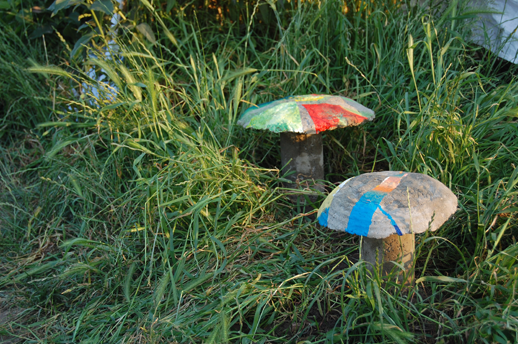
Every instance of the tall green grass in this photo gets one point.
(26, 98)
(145, 214)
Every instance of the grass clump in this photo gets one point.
(139, 211)
(26, 97)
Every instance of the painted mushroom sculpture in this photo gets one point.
(388, 209)
(300, 120)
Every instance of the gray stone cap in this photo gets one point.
(380, 204)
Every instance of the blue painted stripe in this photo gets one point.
(322, 219)
(361, 215)
(392, 221)
(360, 218)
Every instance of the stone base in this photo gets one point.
(381, 253)
(303, 154)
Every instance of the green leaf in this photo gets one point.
(67, 124)
(80, 44)
(112, 106)
(37, 270)
(171, 37)
(440, 279)
(176, 200)
(108, 69)
(4, 5)
(58, 147)
(394, 332)
(370, 296)
(78, 269)
(48, 70)
(145, 29)
(76, 185)
(378, 297)
(133, 145)
(166, 30)
(160, 291)
(59, 5)
(105, 6)
(170, 4)
(86, 243)
(237, 73)
(200, 280)
(41, 30)
(128, 281)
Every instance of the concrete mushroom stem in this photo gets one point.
(302, 153)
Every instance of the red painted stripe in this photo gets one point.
(327, 116)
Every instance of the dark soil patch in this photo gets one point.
(7, 315)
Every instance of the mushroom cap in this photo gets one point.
(309, 114)
(379, 204)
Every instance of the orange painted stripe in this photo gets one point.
(389, 184)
